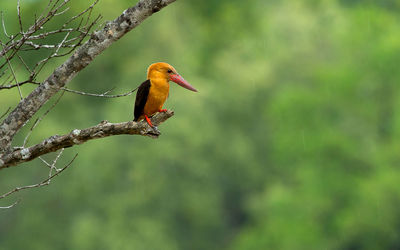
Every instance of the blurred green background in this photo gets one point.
(291, 143)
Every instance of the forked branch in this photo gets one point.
(74, 31)
(83, 56)
(79, 136)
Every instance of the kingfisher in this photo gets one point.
(153, 92)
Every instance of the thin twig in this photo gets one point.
(38, 120)
(99, 95)
(10, 86)
(26, 66)
(9, 57)
(3, 72)
(45, 162)
(44, 46)
(5, 81)
(42, 183)
(54, 9)
(48, 164)
(4, 114)
(13, 44)
(15, 77)
(19, 17)
(43, 62)
(98, 42)
(90, 14)
(53, 165)
(12, 205)
(62, 12)
(82, 13)
(4, 25)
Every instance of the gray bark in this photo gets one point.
(83, 56)
(79, 136)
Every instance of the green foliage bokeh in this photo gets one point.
(291, 142)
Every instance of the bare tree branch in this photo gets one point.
(105, 94)
(17, 84)
(5, 113)
(4, 26)
(22, 41)
(45, 182)
(13, 74)
(99, 41)
(35, 38)
(12, 205)
(79, 136)
(38, 120)
(19, 16)
(14, 44)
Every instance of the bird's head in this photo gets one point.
(166, 71)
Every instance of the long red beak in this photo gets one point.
(179, 80)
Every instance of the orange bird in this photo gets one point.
(153, 92)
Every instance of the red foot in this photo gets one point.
(148, 121)
(162, 110)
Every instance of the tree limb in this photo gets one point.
(45, 182)
(12, 205)
(105, 94)
(83, 56)
(76, 137)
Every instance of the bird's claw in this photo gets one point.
(148, 121)
(155, 130)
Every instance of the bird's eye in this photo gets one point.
(169, 71)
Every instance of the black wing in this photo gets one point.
(141, 98)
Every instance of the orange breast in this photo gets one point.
(158, 94)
